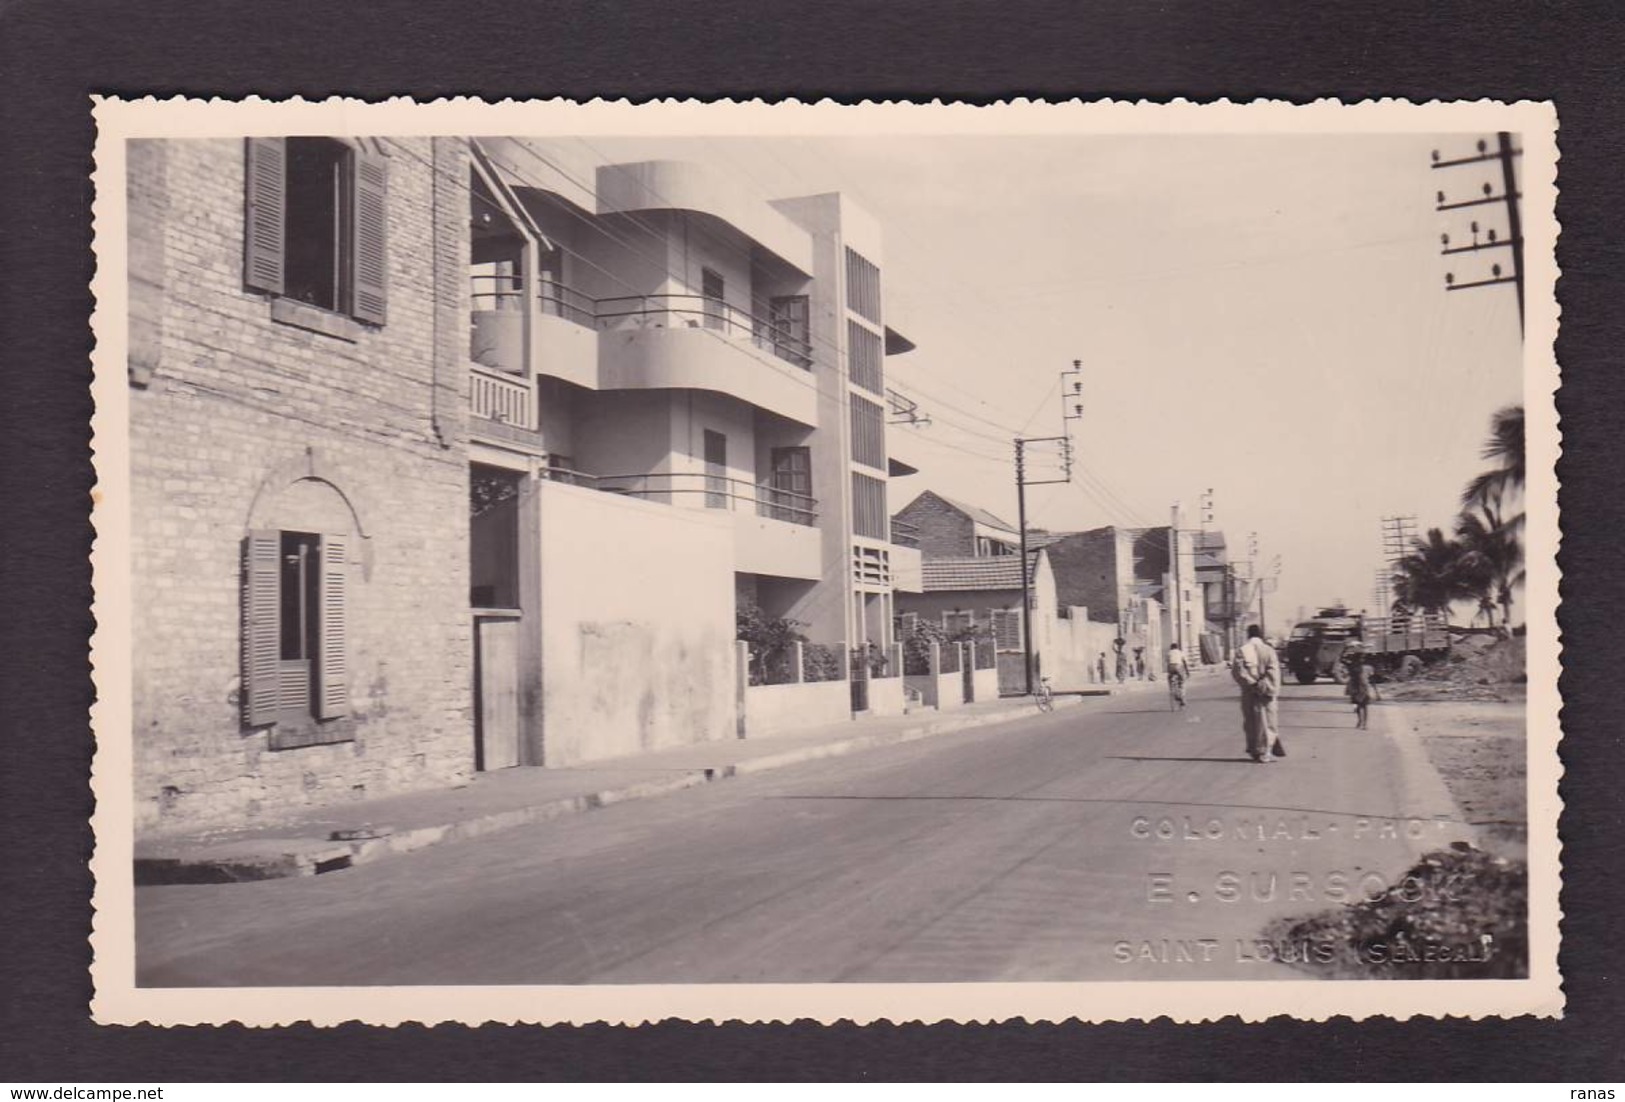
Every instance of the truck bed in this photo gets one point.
(1384, 636)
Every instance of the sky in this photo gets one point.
(1262, 315)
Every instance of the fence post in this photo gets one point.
(842, 662)
(934, 668)
(798, 674)
(741, 683)
(895, 654)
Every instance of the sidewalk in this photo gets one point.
(335, 837)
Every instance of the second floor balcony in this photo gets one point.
(658, 341)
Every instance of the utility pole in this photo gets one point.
(1229, 608)
(1503, 155)
(1175, 580)
(1074, 413)
(1252, 565)
(1266, 584)
(1398, 534)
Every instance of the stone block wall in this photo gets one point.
(239, 421)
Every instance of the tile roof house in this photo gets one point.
(998, 572)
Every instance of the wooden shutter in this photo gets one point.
(264, 213)
(262, 626)
(332, 676)
(367, 225)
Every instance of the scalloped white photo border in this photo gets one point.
(117, 1000)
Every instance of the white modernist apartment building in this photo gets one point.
(678, 406)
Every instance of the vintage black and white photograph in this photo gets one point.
(602, 562)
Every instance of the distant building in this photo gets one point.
(944, 528)
(971, 596)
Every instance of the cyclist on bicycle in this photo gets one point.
(1179, 670)
(1044, 695)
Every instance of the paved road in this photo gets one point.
(1114, 840)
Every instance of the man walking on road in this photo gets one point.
(1179, 671)
(1257, 670)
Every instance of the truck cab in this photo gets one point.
(1315, 648)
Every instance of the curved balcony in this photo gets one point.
(692, 342)
(638, 342)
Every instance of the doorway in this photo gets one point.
(494, 535)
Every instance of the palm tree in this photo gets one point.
(1491, 559)
(1505, 480)
(1432, 577)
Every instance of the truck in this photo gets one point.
(1395, 646)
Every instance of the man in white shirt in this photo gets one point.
(1179, 671)
(1257, 669)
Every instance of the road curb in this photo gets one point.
(1422, 787)
(277, 858)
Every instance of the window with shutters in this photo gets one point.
(314, 225)
(294, 665)
(864, 355)
(1006, 625)
(868, 506)
(789, 495)
(868, 432)
(862, 286)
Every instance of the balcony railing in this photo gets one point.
(720, 492)
(497, 397)
(506, 293)
(503, 293)
(904, 534)
(698, 312)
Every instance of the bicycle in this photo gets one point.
(1044, 696)
(1176, 690)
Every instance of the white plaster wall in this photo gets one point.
(698, 243)
(561, 349)
(683, 185)
(693, 357)
(637, 622)
(763, 545)
(693, 413)
(624, 433)
(885, 696)
(627, 255)
(779, 709)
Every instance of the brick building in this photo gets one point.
(450, 456)
(299, 474)
(944, 528)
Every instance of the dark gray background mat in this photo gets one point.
(53, 56)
